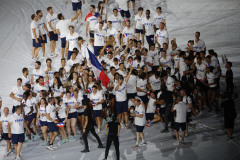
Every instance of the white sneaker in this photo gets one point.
(7, 154)
(135, 145)
(50, 147)
(142, 143)
(18, 158)
(98, 131)
(200, 113)
(177, 143)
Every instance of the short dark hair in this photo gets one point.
(17, 107)
(80, 38)
(114, 9)
(38, 11)
(93, 6)
(110, 22)
(48, 60)
(59, 16)
(33, 16)
(229, 63)
(94, 86)
(48, 8)
(140, 9)
(38, 62)
(24, 70)
(19, 79)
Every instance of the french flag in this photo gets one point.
(98, 70)
(119, 9)
(90, 15)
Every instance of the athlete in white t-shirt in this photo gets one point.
(161, 35)
(51, 121)
(16, 130)
(62, 29)
(43, 29)
(159, 17)
(140, 121)
(116, 19)
(35, 33)
(72, 42)
(37, 72)
(4, 129)
(100, 36)
(96, 99)
(51, 19)
(111, 31)
(17, 94)
(149, 27)
(199, 45)
(25, 78)
(138, 26)
(127, 33)
(91, 21)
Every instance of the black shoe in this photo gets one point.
(101, 146)
(85, 150)
(164, 131)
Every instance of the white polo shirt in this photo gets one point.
(92, 22)
(53, 20)
(140, 110)
(62, 26)
(17, 126)
(169, 82)
(57, 91)
(62, 111)
(199, 46)
(167, 61)
(37, 74)
(96, 98)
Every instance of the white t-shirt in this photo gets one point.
(25, 80)
(127, 33)
(96, 98)
(138, 19)
(79, 100)
(155, 83)
(50, 73)
(27, 107)
(99, 37)
(182, 67)
(199, 46)
(18, 92)
(148, 60)
(154, 55)
(210, 78)
(181, 109)
(38, 88)
(71, 62)
(41, 26)
(123, 73)
(17, 126)
(167, 61)
(4, 121)
(71, 102)
(201, 70)
(161, 36)
(132, 84)
(142, 84)
(53, 20)
(148, 23)
(121, 93)
(62, 26)
(92, 22)
(73, 41)
(51, 109)
(37, 74)
(122, 4)
(62, 111)
(57, 91)
(187, 100)
(170, 81)
(116, 21)
(140, 110)
(34, 25)
(151, 106)
(158, 18)
(42, 110)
